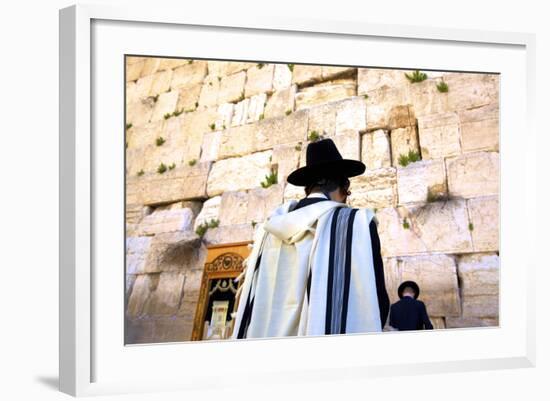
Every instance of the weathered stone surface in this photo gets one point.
(467, 91)
(285, 159)
(293, 192)
(237, 233)
(178, 184)
(144, 135)
(351, 115)
(194, 125)
(349, 144)
(166, 104)
(282, 77)
(189, 74)
(401, 116)
(232, 67)
(162, 221)
(461, 322)
(403, 140)
(438, 323)
(237, 141)
(281, 130)
(480, 128)
(330, 72)
(259, 80)
(210, 211)
(280, 101)
(142, 87)
(189, 97)
(157, 329)
(256, 108)
(156, 294)
(133, 70)
(374, 189)
(306, 74)
(419, 179)
(480, 306)
(171, 63)
(323, 93)
(148, 158)
(150, 66)
(139, 113)
(131, 92)
(232, 87)
(136, 254)
(233, 208)
(473, 174)
(427, 100)
(210, 146)
(174, 251)
(225, 115)
(239, 173)
(322, 119)
(240, 113)
(436, 276)
(375, 149)
(479, 274)
(371, 79)
(161, 82)
(262, 201)
(439, 135)
(209, 91)
(144, 286)
(485, 219)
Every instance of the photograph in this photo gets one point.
(277, 199)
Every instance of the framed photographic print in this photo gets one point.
(340, 195)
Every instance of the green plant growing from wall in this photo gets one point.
(290, 67)
(253, 224)
(442, 87)
(261, 117)
(177, 112)
(241, 98)
(435, 196)
(313, 136)
(365, 96)
(298, 147)
(260, 66)
(140, 173)
(160, 141)
(288, 112)
(192, 162)
(156, 98)
(196, 105)
(224, 127)
(212, 126)
(202, 228)
(219, 78)
(128, 126)
(405, 159)
(172, 166)
(190, 61)
(270, 179)
(471, 226)
(161, 169)
(416, 76)
(406, 224)
(167, 116)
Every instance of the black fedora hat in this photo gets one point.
(411, 284)
(323, 159)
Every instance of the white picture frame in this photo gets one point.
(87, 366)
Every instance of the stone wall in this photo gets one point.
(219, 128)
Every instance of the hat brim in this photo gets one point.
(309, 174)
(411, 284)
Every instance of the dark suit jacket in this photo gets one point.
(383, 299)
(409, 314)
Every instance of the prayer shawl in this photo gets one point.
(310, 272)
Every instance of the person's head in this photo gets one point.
(409, 292)
(408, 288)
(336, 187)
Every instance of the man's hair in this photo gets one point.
(409, 289)
(328, 184)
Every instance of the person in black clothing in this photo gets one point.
(409, 313)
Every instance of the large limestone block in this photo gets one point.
(401, 116)
(331, 73)
(262, 202)
(324, 93)
(229, 234)
(282, 77)
(480, 306)
(174, 251)
(403, 140)
(225, 115)
(479, 128)
(142, 88)
(136, 254)
(232, 87)
(233, 208)
(473, 174)
(280, 101)
(172, 63)
(281, 130)
(436, 276)
(189, 97)
(150, 66)
(142, 289)
(210, 146)
(239, 173)
(484, 216)
(233, 67)
(194, 125)
(479, 274)
(240, 114)
(210, 211)
(145, 135)
(237, 141)
(259, 79)
(166, 104)
(427, 100)
(351, 115)
(462, 322)
(468, 90)
(160, 82)
(374, 189)
(181, 183)
(165, 298)
(148, 158)
(189, 74)
(306, 74)
(439, 135)
(139, 113)
(133, 70)
(322, 119)
(157, 329)
(375, 149)
(285, 159)
(349, 144)
(256, 108)
(209, 91)
(438, 322)
(131, 93)
(419, 179)
(293, 192)
(163, 221)
(371, 79)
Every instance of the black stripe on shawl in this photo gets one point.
(347, 271)
(330, 278)
(247, 314)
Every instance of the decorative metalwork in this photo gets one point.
(228, 262)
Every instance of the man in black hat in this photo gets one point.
(315, 267)
(409, 313)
